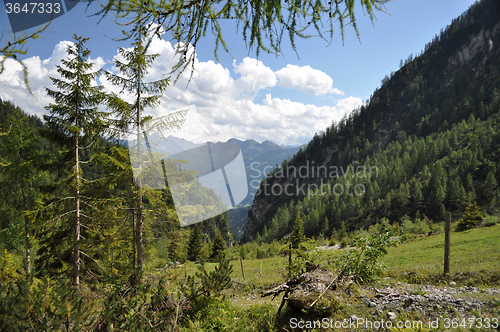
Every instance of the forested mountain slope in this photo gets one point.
(427, 141)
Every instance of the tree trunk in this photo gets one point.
(76, 248)
(26, 220)
(26, 230)
(138, 236)
(134, 242)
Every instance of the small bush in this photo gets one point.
(261, 253)
(471, 218)
(489, 221)
(243, 252)
(304, 257)
(417, 227)
(344, 243)
(364, 262)
(437, 228)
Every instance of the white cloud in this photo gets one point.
(227, 106)
(306, 79)
(255, 76)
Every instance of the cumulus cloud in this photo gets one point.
(255, 76)
(226, 104)
(306, 79)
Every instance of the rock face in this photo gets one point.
(483, 41)
(431, 301)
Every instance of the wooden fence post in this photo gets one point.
(242, 269)
(447, 230)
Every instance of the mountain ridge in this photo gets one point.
(456, 76)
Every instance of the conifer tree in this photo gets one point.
(418, 197)
(264, 233)
(195, 243)
(74, 123)
(21, 154)
(175, 248)
(471, 218)
(489, 187)
(218, 245)
(442, 213)
(324, 227)
(455, 193)
(343, 231)
(468, 182)
(131, 118)
(298, 232)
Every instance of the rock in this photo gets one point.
(320, 287)
(391, 315)
(453, 283)
(354, 318)
(434, 302)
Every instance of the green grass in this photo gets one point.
(474, 258)
(258, 272)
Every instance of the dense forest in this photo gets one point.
(28, 178)
(426, 142)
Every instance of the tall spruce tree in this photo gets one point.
(489, 187)
(131, 118)
(74, 123)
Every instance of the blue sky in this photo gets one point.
(285, 99)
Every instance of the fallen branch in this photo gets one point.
(284, 287)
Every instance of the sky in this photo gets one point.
(285, 99)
